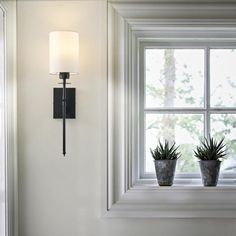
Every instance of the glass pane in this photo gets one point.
(223, 77)
(185, 130)
(2, 144)
(174, 78)
(224, 125)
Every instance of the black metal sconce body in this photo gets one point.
(70, 103)
(64, 105)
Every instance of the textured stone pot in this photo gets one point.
(165, 171)
(210, 172)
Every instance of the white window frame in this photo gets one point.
(206, 110)
(128, 25)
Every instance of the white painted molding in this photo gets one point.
(129, 25)
(176, 202)
(11, 117)
(195, 11)
(170, 1)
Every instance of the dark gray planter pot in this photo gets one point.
(165, 171)
(210, 172)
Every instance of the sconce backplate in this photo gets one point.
(70, 103)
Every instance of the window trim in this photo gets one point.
(128, 24)
(206, 110)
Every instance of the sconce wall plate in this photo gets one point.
(70, 103)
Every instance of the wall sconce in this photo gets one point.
(63, 61)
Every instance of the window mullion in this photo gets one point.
(207, 93)
(142, 118)
(174, 110)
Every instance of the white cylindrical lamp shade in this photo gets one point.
(63, 52)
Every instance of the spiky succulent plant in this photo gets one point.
(165, 151)
(211, 150)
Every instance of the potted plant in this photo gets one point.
(165, 158)
(210, 153)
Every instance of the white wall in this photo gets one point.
(62, 197)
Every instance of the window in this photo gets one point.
(199, 40)
(188, 93)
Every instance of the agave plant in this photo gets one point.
(165, 151)
(211, 150)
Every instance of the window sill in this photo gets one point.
(176, 202)
(188, 182)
